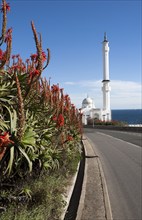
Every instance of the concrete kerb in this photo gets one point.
(83, 192)
(100, 199)
(69, 191)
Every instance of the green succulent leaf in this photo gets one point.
(13, 118)
(29, 137)
(26, 157)
(11, 160)
(3, 125)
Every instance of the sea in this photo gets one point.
(130, 116)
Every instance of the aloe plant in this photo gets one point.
(43, 125)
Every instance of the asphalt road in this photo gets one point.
(121, 158)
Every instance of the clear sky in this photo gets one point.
(74, 31)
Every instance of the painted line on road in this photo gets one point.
(134, 145)
(130, 133)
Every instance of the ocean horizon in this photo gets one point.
(130, 116)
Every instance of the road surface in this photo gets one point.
(120, 155)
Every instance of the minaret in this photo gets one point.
(106, 87)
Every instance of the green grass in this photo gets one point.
(42, 197)
(46, 200)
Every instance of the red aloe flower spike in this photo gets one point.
(21, 115)
(66, 109)
(28, 64)
(34, 73)
(61, 91)
(8, 36)
(39, 49)
(4, 22)
(15, 67)
(1, 54)
(13, 58)
(27, 60)
(60, 120)
(8, 50)
(20, 61)
(55, 88)
(34, 58)
(43, 56)
(38, 87)
(45, 90)
(54, 118)
(5, 5)
(6, 55)
(39, 59)
(70, 138)
(61, 101)
(17, 55)
(23, 67)
(40, 39)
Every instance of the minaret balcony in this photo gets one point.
(105, 80)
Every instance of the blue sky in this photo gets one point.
(74, 30)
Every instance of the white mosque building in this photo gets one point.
(88, 108)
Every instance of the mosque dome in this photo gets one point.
(87, 102)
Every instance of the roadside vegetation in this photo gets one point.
(40, 134)
(107, 123)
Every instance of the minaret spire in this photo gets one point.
(105, 37)
(106, 87)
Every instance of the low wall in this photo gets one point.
(117, 128)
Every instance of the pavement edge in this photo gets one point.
(69, 191)
(89, 152)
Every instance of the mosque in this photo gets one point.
(88, 109)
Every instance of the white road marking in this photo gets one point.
(134, 145)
